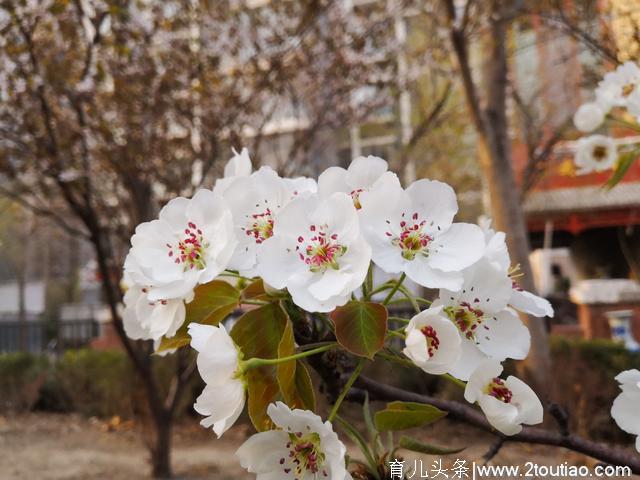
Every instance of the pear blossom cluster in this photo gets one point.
(618, 92)
(317, 241)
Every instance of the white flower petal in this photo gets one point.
(470, 358)
(530, 410)
(239, 165)
(416, 348)
(221, 405)
(445, 354)
(457, 248)
(296, 420)
(332, 180)
(420, 271)
(483, 373)
(529, 303)
(629, 379)
(504, 336)
(485, 286)
(502, 416)
(588, 117)
(625, 412)
(435, 201)
(261, 453)
(364, 171)
(278, 261)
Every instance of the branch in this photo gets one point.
(461, 412)
(460, 47)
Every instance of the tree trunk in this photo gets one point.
(161, 449)
(492, 125)
(161, 415)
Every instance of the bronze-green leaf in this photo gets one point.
(258, 333)
(180, 339)
(293, 377)
(212, 303)
(361, 327)
(403, 415)
(286, 371)
(255, 291)
(414, 445)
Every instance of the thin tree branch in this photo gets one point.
(534, 435)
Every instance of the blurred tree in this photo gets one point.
(109, 108)
(491, 90)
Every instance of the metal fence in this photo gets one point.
(39, 335)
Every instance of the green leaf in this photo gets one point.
(414, 445)
(361, 327)
(374, 436)
(180, 339)
(622, 167)
(258, 333)
(305, 396)
(255, 291)
(212, 303)
(403, 415)
(286, 371)
(292, 376)
(357, 438)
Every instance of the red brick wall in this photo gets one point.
(595, 324)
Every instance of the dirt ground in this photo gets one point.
(39, 446)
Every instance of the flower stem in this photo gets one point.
(392, 358)
(399, 319)
(395, 288)
(228, 273)
(254, 302)
(407, 293)
(352, 379)
(380, 288)
(395, 333)
(260, 362)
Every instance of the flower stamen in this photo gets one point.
(191, 249)
(305, 455)
(466, 318)
(431, 336)
(321, 251)
(497, 389)
(412, 241)
(260, 226)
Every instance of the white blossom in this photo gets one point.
(588, 117)
(254, 201)
(595, 153)
(300, 186)
(238, 166)
(432, 342)
(361, 175)
(316, 251)
(411, 231)
(507, 404)
(487, 327)
(496, 252)
(616, 86)
(625, 406)
(223, 397)
(150, 320)
(190, 243)
(302, 447)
